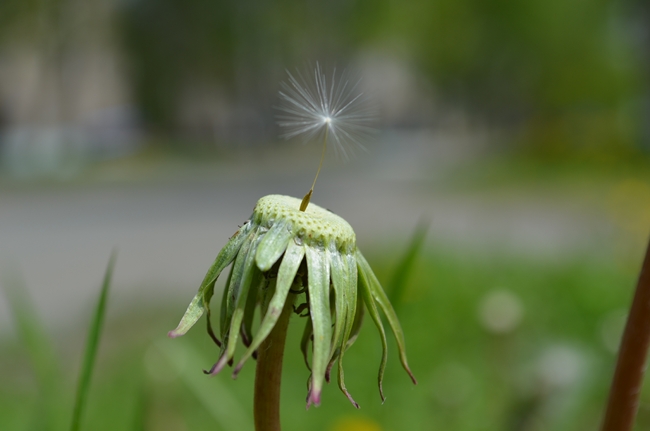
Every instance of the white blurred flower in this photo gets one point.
(500, 311)
(561, 366)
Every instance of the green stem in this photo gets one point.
(630, 367)
(307, 198)
(268, 373)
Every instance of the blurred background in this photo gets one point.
(517, 132)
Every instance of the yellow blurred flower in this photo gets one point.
(355, 424)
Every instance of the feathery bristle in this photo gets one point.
(312, 104)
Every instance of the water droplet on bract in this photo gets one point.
(297, 240)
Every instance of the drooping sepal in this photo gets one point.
(319, 305)
(244, 273)
(379, 296)
(364, 287)
(286, 274)
(201, 301)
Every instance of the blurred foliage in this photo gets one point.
(241, 48)
(569, 74)
(561, 77)
(40, 354)
(170, 42)
(548, 366)
(92, 345)
(507, 55)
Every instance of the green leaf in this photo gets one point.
(92, 344)
(399, 281)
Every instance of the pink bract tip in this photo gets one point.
(314, 398)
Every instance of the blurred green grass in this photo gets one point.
(546, 365)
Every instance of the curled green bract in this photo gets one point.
(313, 254)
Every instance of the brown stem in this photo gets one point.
(624, 395)
(268, 373)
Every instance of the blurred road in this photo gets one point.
(168, 228)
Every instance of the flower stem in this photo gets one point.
(628, 378)
(268, 373)
(307, 198)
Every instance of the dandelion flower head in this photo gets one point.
(281, 253)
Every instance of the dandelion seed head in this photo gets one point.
(312, 105)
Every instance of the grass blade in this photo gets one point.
(92, 344)
(40, 351)
(399, 281)
(140, 417)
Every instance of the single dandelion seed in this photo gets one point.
(315, 108)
